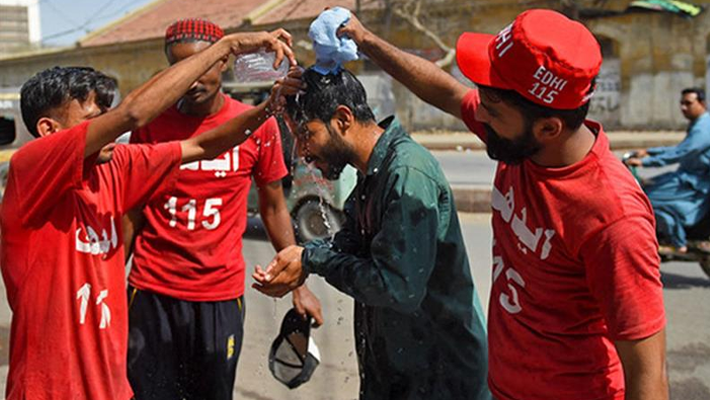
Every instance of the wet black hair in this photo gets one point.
(54, 87)
(531, 112)
(699, 93)
(323, 95)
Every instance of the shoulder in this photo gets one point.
(605, 195)
(411, 159)
(234, 106)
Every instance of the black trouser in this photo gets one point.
(181, 349)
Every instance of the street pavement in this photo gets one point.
(470, 174)
(686, 292)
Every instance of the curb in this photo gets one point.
(472, 199)
(616, 141)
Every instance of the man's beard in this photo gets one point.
(511, 151)
(336, 154)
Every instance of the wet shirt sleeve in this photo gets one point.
(347, 239)
(696, 142)
(402, 254)
(623, 274)
(44, 170)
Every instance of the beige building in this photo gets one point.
(19, 25)
(648, 56)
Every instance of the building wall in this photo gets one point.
(130, 64)
(649, 58)
(19, 25)
(14, 28)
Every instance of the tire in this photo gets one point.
(705, 265)
(316, 220)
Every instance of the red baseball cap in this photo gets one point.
(546, 57)
(193, 29)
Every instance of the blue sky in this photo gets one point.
(66, 21)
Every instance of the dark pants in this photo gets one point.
(181, 349)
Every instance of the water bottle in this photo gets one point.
(258, 67)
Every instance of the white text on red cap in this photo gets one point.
(547, 86)
(503, 42)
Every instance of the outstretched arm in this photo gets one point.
(426, 80)
(164, 89)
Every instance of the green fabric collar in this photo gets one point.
(393, 129)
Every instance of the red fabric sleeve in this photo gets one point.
(468, 113)
(623, 273)
(270, 166)
(44, 169)
(145, 171)
(137, 136)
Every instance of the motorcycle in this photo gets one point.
(698, 235)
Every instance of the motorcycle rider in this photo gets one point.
(680, 198)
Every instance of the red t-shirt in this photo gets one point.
(575, 268)
(63, 263)
(191, 245)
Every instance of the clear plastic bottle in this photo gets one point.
(258, 67)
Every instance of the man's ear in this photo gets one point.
(547, 130)
(47, 126)
(343, 118)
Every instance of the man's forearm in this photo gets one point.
(424, 78)
(278, 226)
(218, 140)
(644, 366)
(152, 98)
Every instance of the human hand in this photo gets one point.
(289, 85)
(633, 162)
(282, 275)
(354, 30)
(306, 303)
(641, 153)
(279, 41)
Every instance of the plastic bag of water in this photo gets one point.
(258, 67)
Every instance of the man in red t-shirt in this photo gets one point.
(576, 308)
(62, 251)
(186, 283)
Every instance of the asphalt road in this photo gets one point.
(687, 296)
(474, 168)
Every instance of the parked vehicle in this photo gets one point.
(697, 235)
(13, 133)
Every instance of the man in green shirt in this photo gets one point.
(418, 322)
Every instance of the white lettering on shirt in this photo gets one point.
(83, 296)
(105, 311)
(90, 243)
(529, 240)
(228, 162)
